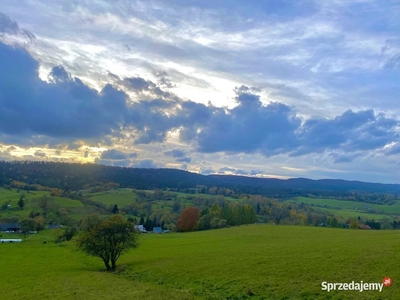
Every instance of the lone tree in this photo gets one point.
(188, 219)
(21, 202)
(115, 209)
(109, 240)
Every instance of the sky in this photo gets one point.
(277, 89)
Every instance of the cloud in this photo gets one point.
(5, 155)
(40, 153)
(113, 162)
(184, 159)
(250, 127)
(66, 111)
(256, 172)
(351, 131)
(65, 108)
(229, 170)
(393, 149)
(145, 163)
(8, 26)
(114, 154)
(175, 153)
(179, 155)
(142, 86)
(163, 79)
(340, 158)
(207, 171)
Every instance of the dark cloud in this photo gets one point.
(140, 85)
(340, 158)
(184, 159)
(8, 26)
(225, 170)
(179, 155)
(67, 112)
(163, 79)
(86, 153)
(256, 172)
(250, 127)
(65, 108)
(175, 153)
(145, 163)
(59, 75)
(351, 131)
(114, 154)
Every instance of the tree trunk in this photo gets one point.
(107, 264)
(113, 265)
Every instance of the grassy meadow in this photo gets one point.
(352, 209)
(246, 262)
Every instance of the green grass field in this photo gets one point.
(352, 205)
(121, 197)
(352, 209)
(32, 200)
(247, 262)
(351, 214)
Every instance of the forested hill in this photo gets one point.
(77, 176)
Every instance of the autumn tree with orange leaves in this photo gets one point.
(188, 219)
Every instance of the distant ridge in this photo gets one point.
(74, 176)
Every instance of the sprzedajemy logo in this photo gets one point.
(356, 286)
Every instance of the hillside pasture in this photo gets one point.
(33, 201)
(121, 197)
(247, 262)
(352, 209)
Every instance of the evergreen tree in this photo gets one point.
(21, 202)
(115, 209)
(204, 212)
(225, 211)
(258, 208)
(141, 222)
(148, 224)
(249, 214)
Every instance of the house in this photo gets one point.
(54, 226)
(14, 227)
(140, 228)
(157, 230)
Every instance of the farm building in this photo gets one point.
(10, 241)
(9, 227)
(140, 228)
(157, 230)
